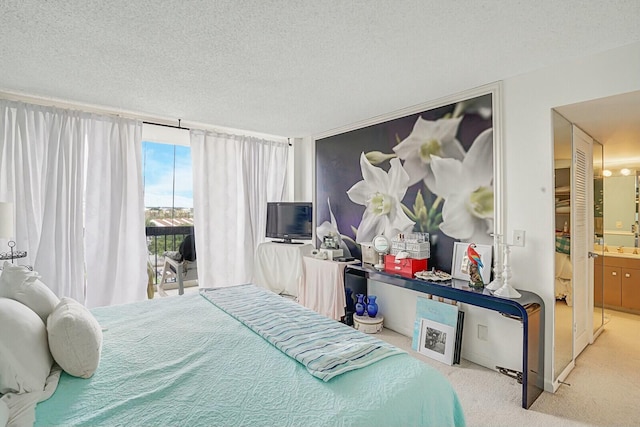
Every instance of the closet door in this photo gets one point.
(581, 240)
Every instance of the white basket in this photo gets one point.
(420, 254)
(398, 245)
(418, 247)
(416, 250)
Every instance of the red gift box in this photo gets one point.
(406, 267)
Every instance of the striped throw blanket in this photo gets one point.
(325, 347)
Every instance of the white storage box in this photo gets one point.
(369, 254)
(332, 253)
(368, 325)
(418, 249)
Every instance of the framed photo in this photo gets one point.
(437, 341)
(460, 260)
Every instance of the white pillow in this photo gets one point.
(75, 338)
(20, 284)
(25, 360)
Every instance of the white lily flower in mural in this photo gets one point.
(327, 228)
(381, 193)
(467, 188)
(429, 138)
(482, 106)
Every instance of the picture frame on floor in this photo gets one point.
(437, 341)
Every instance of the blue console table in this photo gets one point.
(529, 309)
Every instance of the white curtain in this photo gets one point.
(115, 242)
(234, 177)
(45, 156)
(41, 172)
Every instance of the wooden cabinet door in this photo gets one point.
(612, 286)
(597, 284)
(630, 288)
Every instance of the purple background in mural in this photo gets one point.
(338, 169)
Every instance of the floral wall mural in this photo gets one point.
(431, 171)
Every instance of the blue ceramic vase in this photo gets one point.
(360, 305)
(351, 307)
(372, 307)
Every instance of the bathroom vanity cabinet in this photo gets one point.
(621, 282)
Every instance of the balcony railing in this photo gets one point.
(161, 240)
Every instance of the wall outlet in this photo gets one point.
(518, 237)
(483, 333)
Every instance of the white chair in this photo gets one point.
(182, 270)
(182, 264)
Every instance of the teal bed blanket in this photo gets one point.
(182, 361)
(325, 347)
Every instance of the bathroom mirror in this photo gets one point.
(620, 212)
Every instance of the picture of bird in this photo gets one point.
(474, 256)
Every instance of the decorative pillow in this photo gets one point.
(20, 284)
(25, 360)
(75, 338)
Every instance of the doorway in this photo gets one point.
(577, 158)
(614, 122)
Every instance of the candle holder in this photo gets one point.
(506, 290)
(497, 281)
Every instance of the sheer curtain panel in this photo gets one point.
(234, 177)
(42, 154)
(115, 242)
(76, 183)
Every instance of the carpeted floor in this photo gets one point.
(602, 390)
(604, 386)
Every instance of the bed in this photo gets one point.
(184, 360)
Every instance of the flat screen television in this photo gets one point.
(289, 220)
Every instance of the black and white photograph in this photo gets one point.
(437, 341)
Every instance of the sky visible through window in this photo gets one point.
(158, 171)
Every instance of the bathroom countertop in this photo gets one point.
(627, 252)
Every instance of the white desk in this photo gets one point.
(323, 287)
(278, 266)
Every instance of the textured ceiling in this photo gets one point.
(290, 68)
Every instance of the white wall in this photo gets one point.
(303, 169)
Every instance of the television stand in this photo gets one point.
(279, 268)
(288, 242)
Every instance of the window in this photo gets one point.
(168, 184)
(168, 192)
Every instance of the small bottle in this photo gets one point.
(565, 229)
